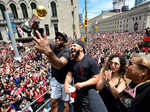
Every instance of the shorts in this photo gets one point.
(57, 90)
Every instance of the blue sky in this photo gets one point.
(94, 7)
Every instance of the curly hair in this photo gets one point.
(122, 59)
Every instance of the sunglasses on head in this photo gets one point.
(59, 38)
(115, 63)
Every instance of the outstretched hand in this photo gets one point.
(78, 85)
(42, 43)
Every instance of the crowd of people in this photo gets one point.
(104, 65)
(124, 43)
(23, 81)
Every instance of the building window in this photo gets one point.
(135, 26)
(47, 29)
(136, 18)
(139, 17)
(29, 34)
(1, 36)
(2, 8)
(133, 18)
(54, 10)
(33, 5)
(24, 10)
(14, 11)
(56, 28)
(71, 2)
(73, 14)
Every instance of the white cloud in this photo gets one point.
(97, 6)
(131, 3)
(96, 10)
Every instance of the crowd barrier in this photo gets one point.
(40, 109)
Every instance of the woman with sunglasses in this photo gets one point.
(111, 82)
(136, 96)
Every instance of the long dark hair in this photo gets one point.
(122, 63)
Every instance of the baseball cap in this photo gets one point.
(82, 44)
(142, 59)
(63, 36)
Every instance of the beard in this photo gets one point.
(75, 54)
(59, 46)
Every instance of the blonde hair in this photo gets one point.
(142, 59)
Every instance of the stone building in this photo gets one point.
(62, 16)
(96, 21)
(138, 2)
(136, 19)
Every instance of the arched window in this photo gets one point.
(14, 11)
(71, 2)
(33, 5)
(1, 38)
(54, 10)
(2, 8)
(136, 26)
(24, 10)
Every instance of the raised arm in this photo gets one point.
(42, 45)
(56, 62)
(101, 82)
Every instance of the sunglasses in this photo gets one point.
(115, 63)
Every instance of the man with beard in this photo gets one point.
(84, 70)
(58, 56)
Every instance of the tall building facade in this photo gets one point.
(62, 16)
(133, 20)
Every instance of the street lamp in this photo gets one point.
(86, 27)
(17, 56)
(74, 33)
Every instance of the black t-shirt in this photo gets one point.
(60, 74)
(141, 102)
(84, 70)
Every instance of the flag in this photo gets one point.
(7, 32)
